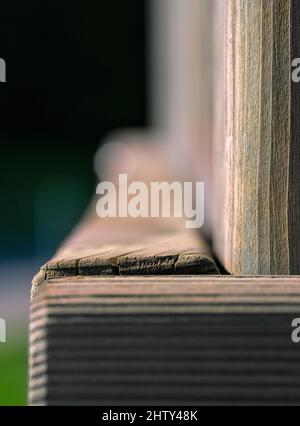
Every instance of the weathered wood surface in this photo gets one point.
(164, 340)
(205, 294)
(129, 247)
(257, 227)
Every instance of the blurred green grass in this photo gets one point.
(13, 370)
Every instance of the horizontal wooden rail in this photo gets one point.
(164, 340)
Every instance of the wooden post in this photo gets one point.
(257, 226)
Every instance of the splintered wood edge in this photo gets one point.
(159, 264)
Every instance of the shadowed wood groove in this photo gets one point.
(177, 340)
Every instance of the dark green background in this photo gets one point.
(75, 71)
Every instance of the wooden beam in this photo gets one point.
(164, 340)
(129, 247)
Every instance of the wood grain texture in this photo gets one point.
(257, 226)
(164, 340)
(129, 247)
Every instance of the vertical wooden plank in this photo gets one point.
(280, 142)
(258, 229)
(294, 196)
(250, 142)
(264, 265)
